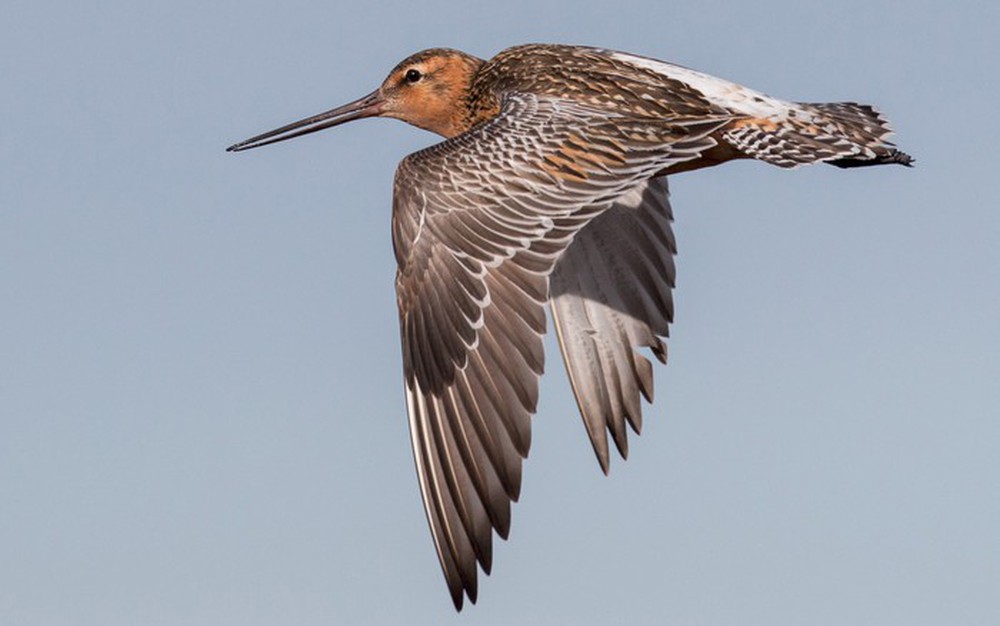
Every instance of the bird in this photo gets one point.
(550, 188)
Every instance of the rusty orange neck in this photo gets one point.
(451, 108)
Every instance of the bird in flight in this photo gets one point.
(551, 188)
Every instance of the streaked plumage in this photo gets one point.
(551, 189)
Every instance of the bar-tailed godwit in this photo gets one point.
(551, 188)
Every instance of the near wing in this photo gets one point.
(479, 221)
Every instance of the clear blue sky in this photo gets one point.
(201, 410)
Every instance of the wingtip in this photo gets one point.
(472, 592)
(604, 461)
(459, 593)
(503, 531)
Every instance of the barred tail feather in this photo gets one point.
(845, 134)
(865, 125)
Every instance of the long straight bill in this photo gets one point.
(368, 106)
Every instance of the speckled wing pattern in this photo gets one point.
(612, 296)
(479, 222)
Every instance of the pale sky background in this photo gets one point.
(201, 410)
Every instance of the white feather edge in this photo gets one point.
(718, 91)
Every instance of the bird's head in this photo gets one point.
(427, 90)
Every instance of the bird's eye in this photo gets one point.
(413, 75)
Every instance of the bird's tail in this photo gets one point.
(845, 134)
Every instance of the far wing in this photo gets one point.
(611, 296)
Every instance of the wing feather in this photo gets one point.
(611, 295)
(476, 245)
